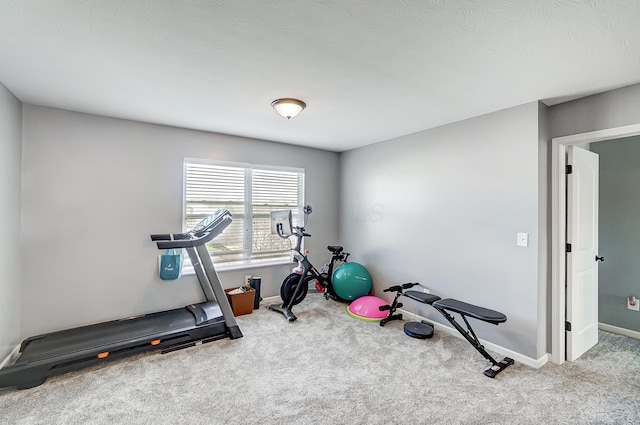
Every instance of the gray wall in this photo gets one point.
(615, 108)
(94, 188)
(10, 164)
(442, 207)
(619, 275)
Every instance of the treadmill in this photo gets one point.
(59, 352)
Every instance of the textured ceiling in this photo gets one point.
(369, 70)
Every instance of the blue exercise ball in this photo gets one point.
(351, 281)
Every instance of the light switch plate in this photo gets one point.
(522, 239)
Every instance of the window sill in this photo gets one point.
(188, 270)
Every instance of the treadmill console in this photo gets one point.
(207, 229)
(215, 222)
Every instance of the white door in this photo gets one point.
(582, 264)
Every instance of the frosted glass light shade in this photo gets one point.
(288, 108)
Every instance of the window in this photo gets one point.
(250, 192)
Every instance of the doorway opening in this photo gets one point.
(559, 147)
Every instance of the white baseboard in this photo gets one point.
(619, 331)
(272, 300)
(520, 358)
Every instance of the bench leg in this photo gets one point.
(499, 367)
(470, 336)
(390, 317)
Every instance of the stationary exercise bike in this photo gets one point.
(295, 286)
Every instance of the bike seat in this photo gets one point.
(336, 249)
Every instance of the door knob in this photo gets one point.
(599, 258)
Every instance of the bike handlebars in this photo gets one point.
(299, 233)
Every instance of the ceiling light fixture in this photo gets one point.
(288, 107)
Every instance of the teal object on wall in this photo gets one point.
(169, 264)
(351, 281)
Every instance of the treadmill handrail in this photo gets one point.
(170, 236)
(189, 239)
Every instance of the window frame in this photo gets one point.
(248, 259)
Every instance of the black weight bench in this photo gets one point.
(466, 310)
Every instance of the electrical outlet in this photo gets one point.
(522, 239)
(633, 303)
(247, 280)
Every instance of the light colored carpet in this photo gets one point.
(328, 368)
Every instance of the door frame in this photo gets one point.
(558, 227)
